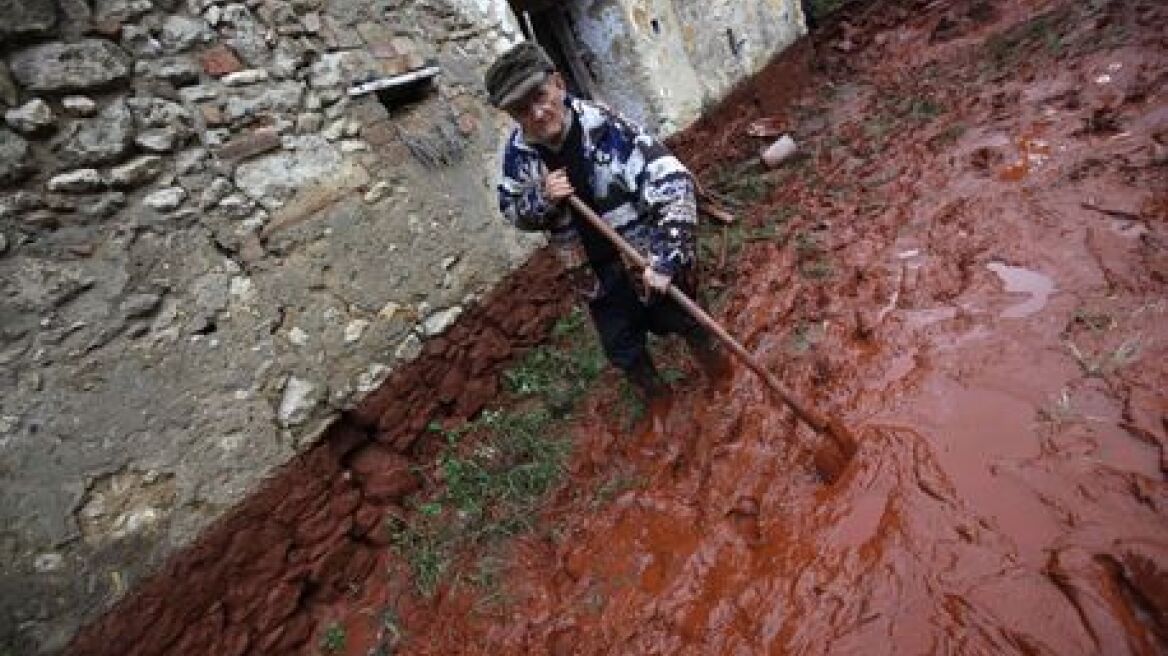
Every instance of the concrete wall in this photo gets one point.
(660, 61)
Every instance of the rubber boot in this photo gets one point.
(646, 381)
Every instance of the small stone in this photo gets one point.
(198, 93)
(379, 191)
(159, 140)
(297, 336)
(136, 306)
(213, 114)
(18, 202)
(296, 405)
(190, 161)
(14, 157)
(48, 562)
(438, 322)
(179, 32)
(388, 311)
(57, 66)
(139, 42)
(244, 78)
(137, 171)
(103, 139)
(309, 122)
(249, 145)
(105, 206)
(409, 348)
(353, 146)
(334, 131)
(180, 71)
(355, 329)
(372, 378)
(3, 243)
(236, 206)
(79, 106)
(216, 191)
(32, 117)
(311, 22)
(121, 10)
(77, 182)
(335, 111)
(165, 200)
(8, 92)
(220, 60)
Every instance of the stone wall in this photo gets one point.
(207, 251)
(261, 580)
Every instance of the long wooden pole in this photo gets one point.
(840, 434)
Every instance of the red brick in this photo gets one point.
(220, 60)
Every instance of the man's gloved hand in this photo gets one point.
(656, 282)
(556, 186)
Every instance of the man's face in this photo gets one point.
(541, 112)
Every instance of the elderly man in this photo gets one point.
(565, 145)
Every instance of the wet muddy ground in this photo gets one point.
(968, 262)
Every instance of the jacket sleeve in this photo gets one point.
(666, 191)
(521, 197)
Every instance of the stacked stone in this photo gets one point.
(145, 103)
(254, 583)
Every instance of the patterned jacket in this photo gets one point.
(650, 193)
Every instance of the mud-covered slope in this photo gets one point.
(968, 263)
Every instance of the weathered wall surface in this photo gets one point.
(207, 250)
(661, 61)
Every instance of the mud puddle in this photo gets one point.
(1001, 345)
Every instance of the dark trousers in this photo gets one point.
(623, 321)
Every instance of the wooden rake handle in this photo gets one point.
(811, 417)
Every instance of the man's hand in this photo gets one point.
(556, 186)
(656, 282)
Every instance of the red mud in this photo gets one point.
(1001, 345)
(973, 276)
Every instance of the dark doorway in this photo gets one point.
(551, 24)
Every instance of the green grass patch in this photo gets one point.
(743, 183)
(333, 640)
(496, 470)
